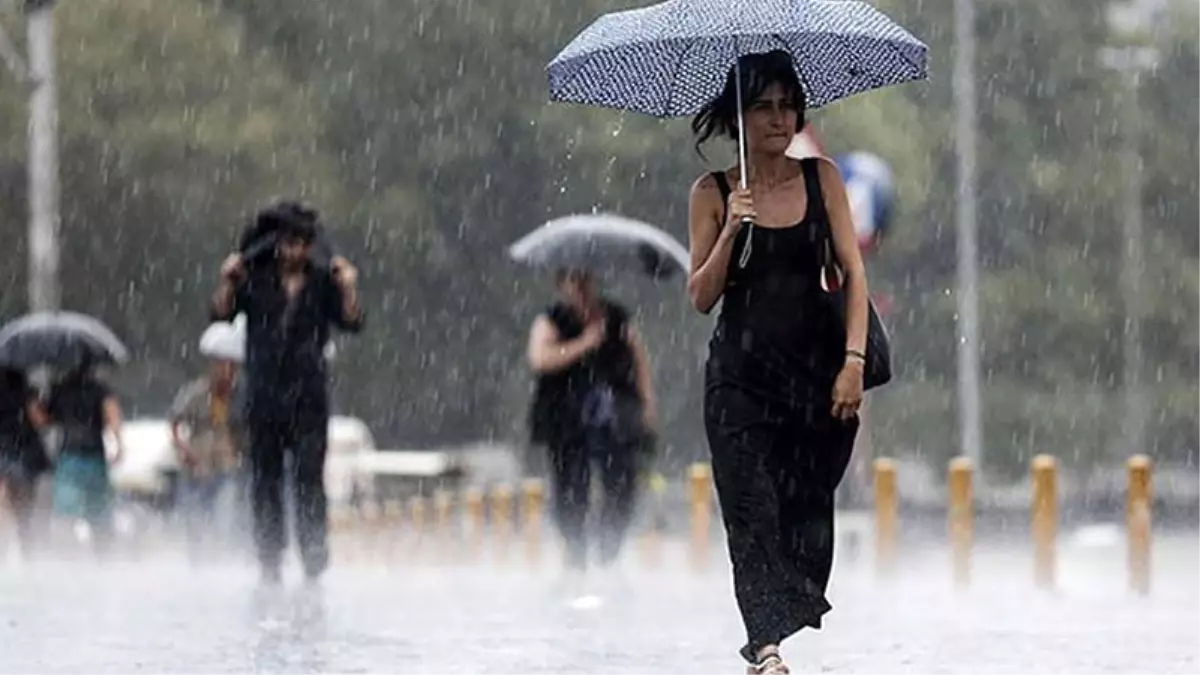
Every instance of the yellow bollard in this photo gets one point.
(1045, 519)
(393, 523)
(367, 541)
(473, 500)
(341, 520)
(885, 514)
(1138, 521)
(443, 505)
(961, 518)
(534, 492)
(700, 483)
(341, 524)
(502, 508)
(418, 510)
(651, 541)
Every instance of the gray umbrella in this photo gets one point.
(602, 242)
(61, 339)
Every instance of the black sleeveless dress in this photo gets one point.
(778, 454)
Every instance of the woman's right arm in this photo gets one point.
(548, 352)
(710, 244)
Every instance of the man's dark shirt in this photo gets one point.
(285, 364)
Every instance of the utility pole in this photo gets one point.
(1131, 62)
(970, 407)
(44, 219)
(1132, 25)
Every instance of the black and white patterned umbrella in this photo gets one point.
(672, 58)
(602, 242)
(60, 339)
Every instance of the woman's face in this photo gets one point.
(771, 121)
(577, 288)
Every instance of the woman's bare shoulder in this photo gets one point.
(706, 187)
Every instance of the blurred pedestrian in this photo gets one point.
(594, 406)
(84, 409)
(209, 434)
(784, 379)
(22, 455)
(291, 302)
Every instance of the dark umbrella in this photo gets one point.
(61, 339)
(260, 238)
(602, 242)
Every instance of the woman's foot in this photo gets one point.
(769, 664)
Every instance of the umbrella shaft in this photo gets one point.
(737, 86)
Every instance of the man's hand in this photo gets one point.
(345, 275)
(233, 268)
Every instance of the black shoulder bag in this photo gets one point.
(878, 368)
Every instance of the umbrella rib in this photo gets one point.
(678, 66)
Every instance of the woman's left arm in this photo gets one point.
(845, 244)
(645, 381)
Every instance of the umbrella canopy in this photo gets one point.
(672, 58)
(602, 242)
(59, 339)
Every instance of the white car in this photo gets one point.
(350, 439)
(149, 461)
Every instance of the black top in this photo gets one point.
(285, 362)
(556, 415)
(76, 406)
(19, 441)
(775, 335)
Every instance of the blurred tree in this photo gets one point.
(423, 130)
(166, 147)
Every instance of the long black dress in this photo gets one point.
(778, 454)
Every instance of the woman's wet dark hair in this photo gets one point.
(758, 71)
(13, 379)
(561, 274)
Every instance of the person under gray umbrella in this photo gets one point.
(594, 407)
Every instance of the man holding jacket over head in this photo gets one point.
(290, 301)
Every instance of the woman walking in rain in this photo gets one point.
(84, 408)
(784, 378)
(22, 455)
(594, 405)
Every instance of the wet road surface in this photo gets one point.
(158, 615)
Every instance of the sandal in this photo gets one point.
(772, 664)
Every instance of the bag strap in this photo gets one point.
(816, 199)
(725, 189)
(817, 211)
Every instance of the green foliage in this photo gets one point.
(422, 129)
